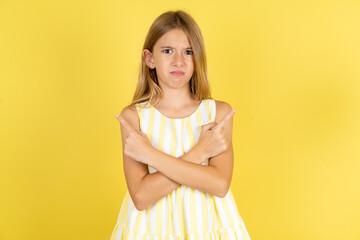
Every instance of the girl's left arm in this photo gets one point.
(214, 178)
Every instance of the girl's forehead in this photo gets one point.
(174, 38)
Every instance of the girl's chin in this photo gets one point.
(177, 83)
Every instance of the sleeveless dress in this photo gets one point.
(186, 213)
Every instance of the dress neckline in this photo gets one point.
(197, 109)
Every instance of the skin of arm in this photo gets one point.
(156, 185)
(214, 178)
(146, 189)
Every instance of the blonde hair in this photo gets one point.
(148, 88)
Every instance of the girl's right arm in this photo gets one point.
(146, 189)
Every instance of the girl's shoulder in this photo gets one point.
(129, 113)
(221, 105)
(222, 108)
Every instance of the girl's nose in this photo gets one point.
(178, 59)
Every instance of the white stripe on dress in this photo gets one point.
(167, 138)
(156, 129)
(178, 126)
(186, 141)
(232, 210)
(176, 215)
(164, 216)
(199, 212)
(221, 212)
(204, 114)
(195, 128)
(153, 219)
(187, 210)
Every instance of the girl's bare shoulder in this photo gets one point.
(222, 108)
(129, 113)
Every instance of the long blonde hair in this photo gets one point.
(148, 88)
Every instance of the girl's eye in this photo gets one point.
(166, 50)
(188, 52)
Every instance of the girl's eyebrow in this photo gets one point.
(172, 47)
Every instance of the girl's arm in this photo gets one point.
(214, 178)
(140, 183)
(154, 186)
(146, 189)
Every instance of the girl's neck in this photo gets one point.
(177, 99)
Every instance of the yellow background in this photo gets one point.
(291, 69)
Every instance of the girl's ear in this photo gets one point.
(149, 59)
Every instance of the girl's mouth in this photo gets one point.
(177, 73)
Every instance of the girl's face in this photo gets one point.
(172, 57)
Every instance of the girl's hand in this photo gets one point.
(137, 145)
(212, 137)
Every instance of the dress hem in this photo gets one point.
(236, 232)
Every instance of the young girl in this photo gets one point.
(177, 143)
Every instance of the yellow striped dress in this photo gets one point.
(186, 213)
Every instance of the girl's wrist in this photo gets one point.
(199, 154)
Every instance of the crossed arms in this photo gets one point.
(146, 189)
